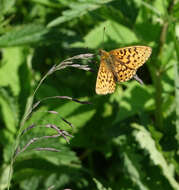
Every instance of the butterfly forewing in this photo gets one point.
(132, 57)
(105, 83)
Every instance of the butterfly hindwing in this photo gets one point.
(125, 74)
(105, 83)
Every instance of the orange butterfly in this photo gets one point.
(119, 65)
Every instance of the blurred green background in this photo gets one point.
(127, 140)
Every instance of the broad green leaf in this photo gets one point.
(4, 176)
(133, 170)
(10, 117)
(146, 142)
(133, 100)
(78, 115)
(30, 184)
(64, 156)
(160, 5)
(134, 173)
(148, 6)
(64, 165)
(9, 111)
(78, 9)
(13, 59)
(142, 25)
(49, 3)
(31, 34)
(100, 186)
(115, 33)
(176, 10)
(6, 6)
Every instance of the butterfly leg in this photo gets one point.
(138, 79)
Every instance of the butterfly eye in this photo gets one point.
(100, 51)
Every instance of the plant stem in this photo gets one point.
(157, 75)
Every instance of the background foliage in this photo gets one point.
(127, 140)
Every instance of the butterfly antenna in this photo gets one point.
(103, 37)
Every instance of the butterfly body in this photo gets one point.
(119, 65)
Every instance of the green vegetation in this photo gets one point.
(124, 141)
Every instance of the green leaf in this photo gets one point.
(48, 163)
(148, 6)
(146, 142)
(65, 156)
(176, 10)
(143, 23)
(10, 116)
(100, 186)
(13, 59)
(9, 110)
(114, 35)
(4, 176)
(160, 5)
(78, 9)
(134, 172)
(78, 115)
(133, 100)
(50, 3)
(29, 35)
(6, 6)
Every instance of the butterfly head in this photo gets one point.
(104, 54)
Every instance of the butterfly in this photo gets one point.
(119, 65)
